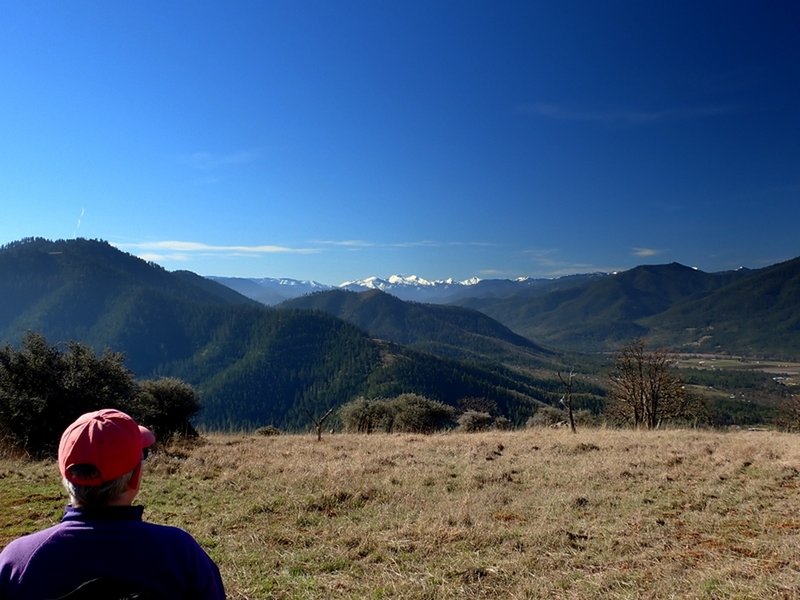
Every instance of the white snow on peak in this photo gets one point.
(394, 281)
(303, 282)
(285, 281)
(373, 283)
(408, 280)
(370, 281)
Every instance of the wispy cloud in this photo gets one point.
(205, 161)
(157, 258)
(360, 244)
(646, 252)
(177, 250)
(547, 264)
(624, 117)
(492, 273)
(353, 244)
(180, 250)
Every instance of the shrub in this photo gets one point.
(268, 430)
(406, 412)
(364, 415)
(473, 420)
(166, 405)
(502, 423)
(546, 416)
(418, 414)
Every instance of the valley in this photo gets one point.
(256, 365)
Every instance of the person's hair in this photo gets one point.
(95, 496)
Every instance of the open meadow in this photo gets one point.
(536, 513)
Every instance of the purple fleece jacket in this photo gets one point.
(113, 542)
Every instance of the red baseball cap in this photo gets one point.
(107, 439)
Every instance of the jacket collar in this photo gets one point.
(107, 513)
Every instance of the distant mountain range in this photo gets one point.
(272, 291)
(750, 312)
(498, 340)
(254, 365)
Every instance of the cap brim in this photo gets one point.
(148, 438)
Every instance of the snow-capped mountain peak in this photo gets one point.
(285, 281)
(411, 287)
(405, 281)
(406, 287)
(372, 283)
(409, 280)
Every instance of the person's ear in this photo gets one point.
(136, 478)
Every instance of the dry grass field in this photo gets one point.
(538, 513)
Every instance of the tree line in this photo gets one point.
(44, 387)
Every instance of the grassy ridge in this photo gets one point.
(524, 514)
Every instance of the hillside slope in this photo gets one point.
(742, 312)
(448, 331)
(756, 314)
(252, 365)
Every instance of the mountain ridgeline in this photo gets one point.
(747, 312)
(256, 365)
(252, 365)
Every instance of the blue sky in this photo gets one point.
(335, 140)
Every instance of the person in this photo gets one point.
(102, 539)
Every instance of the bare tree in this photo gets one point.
(566, 399)
(318, 423)
(645, 389)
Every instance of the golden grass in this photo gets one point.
(538, 513)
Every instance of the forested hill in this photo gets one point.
(40, 278)
(756, 314)
(89, 291)
(745, 311)
(603, 312)
(448, 331)
(252, 365)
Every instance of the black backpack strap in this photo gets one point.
(105, 588)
